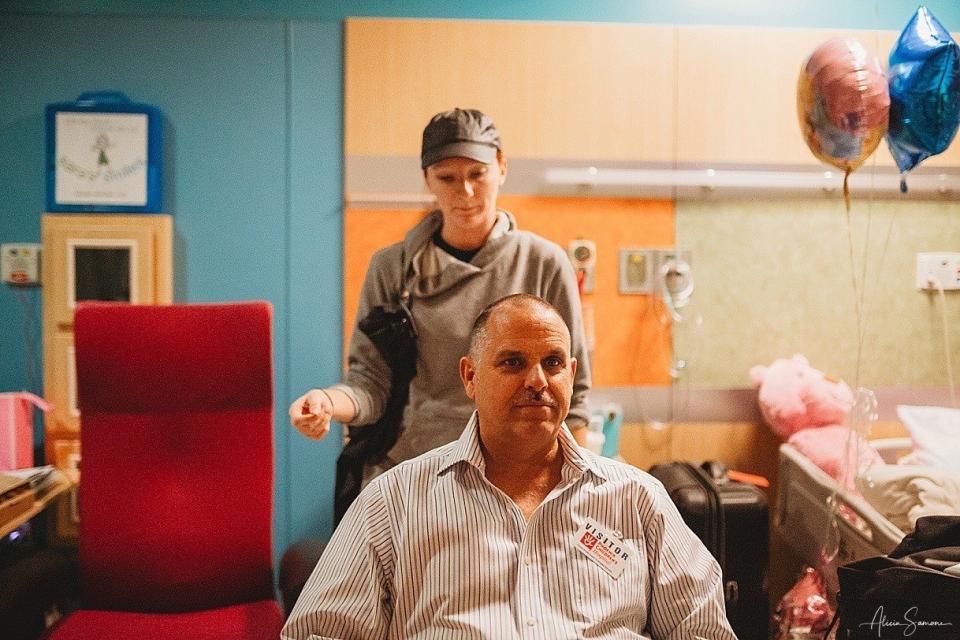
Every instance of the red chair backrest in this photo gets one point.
(176, 477)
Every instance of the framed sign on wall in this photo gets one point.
(104, 153)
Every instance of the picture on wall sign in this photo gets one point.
(101, 158)
(103, 154)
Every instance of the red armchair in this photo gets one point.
(176, 487)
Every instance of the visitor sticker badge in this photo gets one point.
(603, 546)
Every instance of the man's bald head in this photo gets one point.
(479, 335)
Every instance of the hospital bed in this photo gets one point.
(803, 512)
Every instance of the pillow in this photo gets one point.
(824, 446)
(935, 432)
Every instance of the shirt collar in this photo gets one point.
(467, 449)
(577, 457)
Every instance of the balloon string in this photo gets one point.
(856, 287)
(864, 263)
(846, 191)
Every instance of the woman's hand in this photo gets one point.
(311, 413)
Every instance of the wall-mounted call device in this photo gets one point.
(583, 255)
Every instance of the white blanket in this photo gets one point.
(904, 492)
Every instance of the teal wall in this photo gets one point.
(860, 14)
(252, 97)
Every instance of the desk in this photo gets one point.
(61, 484)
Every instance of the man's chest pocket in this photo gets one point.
(609, 580)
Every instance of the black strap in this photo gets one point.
(391, 329)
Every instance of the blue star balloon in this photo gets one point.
(924, 78)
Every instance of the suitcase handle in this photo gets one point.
(748, 478)
(716, 470)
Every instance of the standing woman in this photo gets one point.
(456, 261)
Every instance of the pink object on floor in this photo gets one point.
(804, 611)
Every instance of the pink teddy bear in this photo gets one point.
(808, 409)
(795, 396)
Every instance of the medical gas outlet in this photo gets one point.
(645, 270)
(938, 267)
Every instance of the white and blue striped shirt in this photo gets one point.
(431, 549)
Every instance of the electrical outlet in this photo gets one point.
(20, 264)
(942, 267)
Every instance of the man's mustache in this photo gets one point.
(530, 396)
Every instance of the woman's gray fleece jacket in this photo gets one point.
(446, 296)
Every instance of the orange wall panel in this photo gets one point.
(632, 332)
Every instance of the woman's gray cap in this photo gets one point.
(459, 133)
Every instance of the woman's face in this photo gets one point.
(466, 191)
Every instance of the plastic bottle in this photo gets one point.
(595, 434)
(612, 421)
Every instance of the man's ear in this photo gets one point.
(573, 368)
(468, 373)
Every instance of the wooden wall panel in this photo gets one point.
(633, 338)
(737, 87)
(556, 90)
(744, 446)
(697, 94)
(644, 444)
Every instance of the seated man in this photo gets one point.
(513, 529)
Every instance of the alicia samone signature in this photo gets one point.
(908, 624)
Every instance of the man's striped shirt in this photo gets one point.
(431, 549)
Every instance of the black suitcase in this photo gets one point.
(731, 518)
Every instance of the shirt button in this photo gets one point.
(528, 561)
(531, 622)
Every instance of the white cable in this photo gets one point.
(946, 338)
(676, 285)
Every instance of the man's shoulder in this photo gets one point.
(425, 465)
(618, 471)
